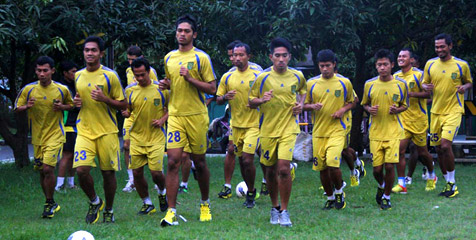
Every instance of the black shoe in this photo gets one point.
(146, 209)
(385, 205)
(250, 199)
(379, 195)
(225, 193)
(340, 201)
(50, 209)
(93, 212)
(182, 189)
(264, 189)
(163, 203)
(330, 204)
(108, 217)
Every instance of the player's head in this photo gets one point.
(241, 54)
(45, 67)
(229, 50)
(416, 60)
(384, 62)
(68, 68)
(280, 49)
(327, 62)
(93, 50)
(405, 58)
(141, 69)
(186, 29)
(133, 52)
(443, 45)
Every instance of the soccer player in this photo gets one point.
(133, 52)
(234, 87)
(189, 73)
(98, 93)
(149, 106)
(66, 162)
(279, 92)
(448, 78)
(384, 98)
(45, 100)
(414, 121)
(330, 97)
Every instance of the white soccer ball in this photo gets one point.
(241, 189)
(81, 235)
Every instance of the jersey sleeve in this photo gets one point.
(366, 95)
(206, 69)
(68, 99)
(309, 94)
(405, 101)
(22, 98)
(128, 97)
(426, 75)
(167, 74)
(222, 85)
(117, 93)
(350, 92)
(466, 74)
(302, 84)
(153, 74)
(254, 90)
(166, 94)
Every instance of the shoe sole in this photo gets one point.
(274, 223)
(205, 220)
(54, 211)
(164, 223)
(384, 209)
(345, 204)
(149, 213)
(286, 225)
(453, 195)
(97, 215)
(225, 197)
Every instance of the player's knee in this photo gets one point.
(230, 149)
(82, 171)
(388, 167)
(445, 146)
(156, 174)
(48, 170)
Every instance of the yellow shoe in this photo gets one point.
(354, 181)
(431, 184)
(170, 219)
(399, 189)
(205, 213)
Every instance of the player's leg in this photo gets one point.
(285, 148)
(401, 185)
(130, 182)
(155, 158)
(411, 163)
(172, 179)
(449, 163)
(348, 156)
(249, 175)
(427, 161)
(142, 189)
(377, 151)
(326, 182)
(229, 168)
(186, 166)
(48, 180)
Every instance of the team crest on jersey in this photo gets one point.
(190, 65)
(293, 89)
(156, 102)
(412, 84)
(395, 97)
(337, 93)
(454, 76)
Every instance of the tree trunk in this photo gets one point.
(18, 142)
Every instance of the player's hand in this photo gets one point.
(126, 113)
(158, 123)
(373, 110)
(267, 96)
(57, 106)
(77, 100)
(30, 103)
(184, 73)
(229, 95)
(316, 106)
(297, 109)
(393, 109)
(98, 95)
(338, 114)
(428, 87)
(461, 89)
(164, 84)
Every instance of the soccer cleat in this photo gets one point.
(379, 195)
(225, 192)
(399, 189)
(250, 199)
(284, 220)
(408, 180)
(72, 187)
(170, 219)
(50, 209)
(60, 189)
(205, 213)
(424, 175)
(129, 187)
(93, 212)
(361, 168)
(431, 184)
(108, 217)
(274, 219)
(385, 205)
(330, 204)
(451, 190)
(355, 179)
(147, 209)
(163, 202)
(182, 189)
(264, 190)
(293, 170)
(340, 201)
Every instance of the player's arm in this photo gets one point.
(158, 123)
(426, 83)
(127, 112)
(23, 103)
(403, 104)
(117, 99)
(206, 87)
(366, 102)
(301, 96)
(222, 93)
(308, 103)
(349, 102)
(67, 103)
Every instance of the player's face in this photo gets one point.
(280, 58)
(327, 69)
(404, 59)
(241, 57)
(141, 75)
(231, 56)
(131, 58)
(442, 49)
(44, 73)
(384, 67)
(185, 34)
(69, 75)
(92, 54)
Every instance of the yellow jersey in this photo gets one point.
(445, 76)
(46, 126)
(96, 119)
(242, 115)
(276, 116)
(333, 94)
(131, 79)
(417, 109)
(385, 126)
(147, 104)
(186, 99)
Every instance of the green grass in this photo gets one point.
(418, 215)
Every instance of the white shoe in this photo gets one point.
(59, 188)
(425, 175)
(129, 187)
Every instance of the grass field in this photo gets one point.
(417, 215)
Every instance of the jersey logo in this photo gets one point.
(293, 89)
(337, 93)
(395, 97)
(242, 82)
(454, 76)
(412, 84)
(190, 65)
(156, 102)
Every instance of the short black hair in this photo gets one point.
(67, 65)
(384, 53)
(326, 55)
(232, 45)
(447, 37)
(45, 60)
(188, 19)
(97, 40)
(139, 62)
(412, 55)
(279, 42)
(246, 46)
(134, 51)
